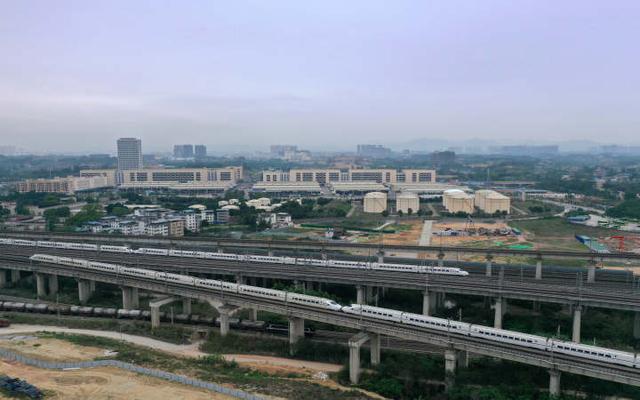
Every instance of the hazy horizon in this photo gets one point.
(76, 75)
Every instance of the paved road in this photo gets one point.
(425, 237)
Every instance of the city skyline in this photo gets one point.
(324, 75)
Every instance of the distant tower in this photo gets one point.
(129, 154)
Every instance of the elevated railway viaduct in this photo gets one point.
(369, 329)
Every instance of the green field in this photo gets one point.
(557, 234)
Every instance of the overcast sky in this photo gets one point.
(75, 75)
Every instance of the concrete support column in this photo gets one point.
(554, 382)
(224, 321)
(135, 298)
(155, 317)
(3, 278)
(239, 279)
(499, 312)
(636, 325)
(462, 359)
(53, 285)
(270, 253)
(15, 275)
(374, 346)
(368, 294)
(539, 268)
(441, 259)
(296, 332)
(429, 300)
(577, 316)
(84, 291)
(92, 286)
(253, 314)
(354, 356)
(591, 273)
(186, 306)
(127, 298)
(298, 284)
(380, 256)
(450, 359)
(41, 285)
(360, 295)
(324, 256)
(489, 264)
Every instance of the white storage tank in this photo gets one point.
(406, 202)
(375, 202)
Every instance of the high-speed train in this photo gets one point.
(421, 269)
(370, 312)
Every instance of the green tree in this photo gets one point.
(90, 212)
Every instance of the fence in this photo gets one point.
(239, 394)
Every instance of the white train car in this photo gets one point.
(312, 301)
(517, 338)
(152, 251)
(22, 242)
(6, 241)
(72, 262)
(374, 312)
(44, 258)
(446, 271)
(595, 353)
(115, 249)
(216, 284)
(221, 256)
(144, 273)
(262, 292)
(176, 278)
(311, 261)
(396, 267)
(348, 264)
(102, 266)
(265, 259)
(46, 244)
(81, 246)
(440, 324)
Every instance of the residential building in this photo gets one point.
(67, 185)
(183, 151)
(329, 175)
(276, 220)
(109, 174)
(373, 151)
(200, 151)
(223, 216)
(211, 179)
(192, 220)
(129, 154)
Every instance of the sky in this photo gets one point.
(240, 75)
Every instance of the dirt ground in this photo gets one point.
(410, 236)
(103, 384)
(464, 240)
(49, 349)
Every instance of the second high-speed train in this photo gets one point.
(421, 269)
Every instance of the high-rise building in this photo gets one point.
(200, 151)
(183, 151)
(129, 154)
(373, 151)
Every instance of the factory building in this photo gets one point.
(491, 201)
(330, 175)
(375, 202)
(181, 178)
(406, 202)
(455, 201)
